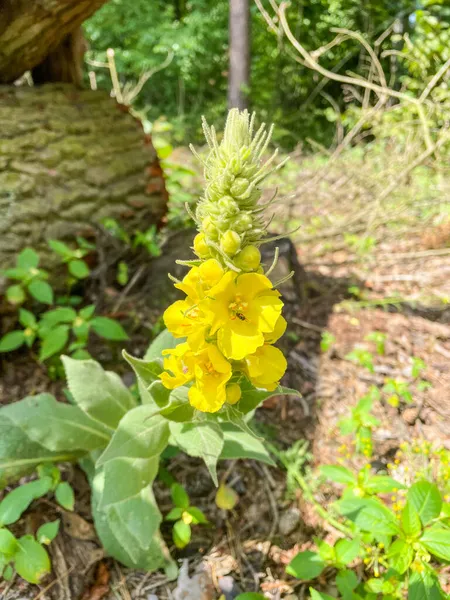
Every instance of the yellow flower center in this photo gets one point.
(237, 309)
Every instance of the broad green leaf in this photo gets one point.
(197, 515)
(100, 394)
(27, 259)
(424, 586)
(38, 429)
(252, 397)
(62, 314)
(47, 532)
(41, 291)
(426, 499)
(8, 543)
(240, 444)
(237, 418)
(15, 294)
(203, 440)
(11, 341)
(346, 582)
(179, 496)
(87, 311)
(64, 495)
(178, 409)
(338, 473)
(61, 248)
(251, 596)
(79, 269)
(306, 566)
(437, 541)
(109, 329)
(379, 484)
(174, 514)
(411, 520)
(162, 342)
(18, 500)
(369, 514)
(400, 555)
(16, 273)
(26, 318)
(147, 371)
(315, 595)
(54, 342)
(347, 550)
(141, 433)
(181, 534)
(160, 394)
(31, 560)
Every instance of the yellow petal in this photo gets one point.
(280, 328)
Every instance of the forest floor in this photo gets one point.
(394, 281)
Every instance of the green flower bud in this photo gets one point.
(230, 242)
(208, 226)
(248, 259)
(228, 205)
(201, 248)
(239, 186)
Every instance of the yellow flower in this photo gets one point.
(212, 371)
(178, 367)
(280, 328)
(266, 367)
(199, 280)
(183, 318)
(242, 308)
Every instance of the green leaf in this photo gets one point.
(306, 566)
(64, 495)
(109, 329)
(400, 555)
(426, 499)
(411, 520)
(347, 550)
(141, 433)
(251, 596)
(16, 502)
(27, 259)
(315, 595)
(16, 273)
(61, 248)
(174, 514)
(31, 560)
(346, 582)
(11, 341)
(39, 429)
(8, 543)
(100, 394)
(338, 473)
(8, 573)
(197, 515)
(181, 534)
(162, 342)
(369, 514)
(147, 371)
(47, 532)
(252, 397)
(79, 269)
(203, 440)
(437, 541)
(240, 444)
(55, 341)
(179, 496)
(62, 314)
(379, 484)
(41, 291)
(26, 318)
(424, 586)
(87, 312)
(15, 294)
(159, 393)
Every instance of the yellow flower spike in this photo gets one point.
(242, 309)
(212, 372)
(201, 248)
(211, 272)
(230, 242)
(233, 393)
(248, 259)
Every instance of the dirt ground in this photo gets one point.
(248, 548)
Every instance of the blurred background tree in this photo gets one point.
(142, 33)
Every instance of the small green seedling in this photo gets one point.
(397, 390)
(184, 516)
(73, 258)
(27, 555)
(362, 422)
(328, 339)
(362, 357)
(379, 338)
(30, 280)
(417, 367)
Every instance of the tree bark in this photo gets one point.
(30, 30)
(239, 72)
(68, 159)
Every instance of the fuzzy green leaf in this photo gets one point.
(162, 342)
(203, 440)
(426, 499)
(41, 291)
(11, 341)
(109, 329)
(100, 394)
(147, 371)
(252, 397)
(240, 444)
(31, 560)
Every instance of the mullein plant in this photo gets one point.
(231, 315)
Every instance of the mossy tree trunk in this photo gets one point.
(68, 159)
